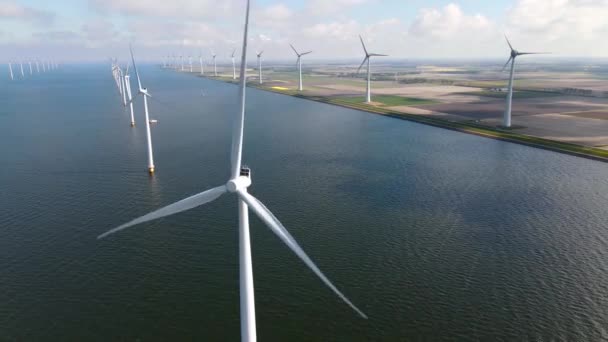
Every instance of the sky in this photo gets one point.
(94, 30)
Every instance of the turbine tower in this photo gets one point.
(190, 62)
(181, 58)
(10, 70)
(22, 73)
(144, 92)
(299, 65)
(240, 180)
(368, 92)
(233, 65)
(506, 121)
(37, 67)
(259, 54)
(214, 64)
(200, 60)
(31, 71)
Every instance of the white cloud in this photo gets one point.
(327, 7)
(447, 22)
(14, 11)
(168, 8)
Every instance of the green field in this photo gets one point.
(388, 100)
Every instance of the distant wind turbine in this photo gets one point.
(181, 58)
(144, 92)
(214, 64)
(368, 92)
(37, 67)
(128, 86)
(200, 60)
(10, 70)
(22, 73)
(259, 54)
(506, 121)
(240, 180)
(31, 71)
(190, 62)
(233, 65)
(299, 64)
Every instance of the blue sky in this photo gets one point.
(89, 29)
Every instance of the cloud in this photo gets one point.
(14, 11)
(447, 22)
(327, 7)
(164, 8)
(555, 19)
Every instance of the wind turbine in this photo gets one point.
(181, 58)
(240, 180)
(368, 93)
(506, 121)
(128, 86)
(200, 60)
(10, 70)
(37, 67)
(190, 61)
(123, 81)
(214, 64)
(144, 92)
(22, 73)
(259, 54)
(233, 65)
(31, 71)
(299, 64)
(43, 66)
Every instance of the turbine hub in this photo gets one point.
(514, 53)
(239, 183)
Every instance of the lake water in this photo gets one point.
(434, 234)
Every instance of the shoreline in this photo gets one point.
(586, 152)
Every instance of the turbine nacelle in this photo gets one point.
(240, 183)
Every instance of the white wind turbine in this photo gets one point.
(128, 87)
(299, 64)
(506, 121)
(233, 65)
(123, 83)
(10, 70)
(181, 58)
(43, 66)
(190, 62)
(144, 92)
(259, 54)
(31, 71)
(22, 73)
(237, 184)
(368, 92)
(37, 67)
(214, 64)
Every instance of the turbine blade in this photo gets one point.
(239, 122)
(362, 43)
(233, 52)
(127, 72)
(509, 61)
(377, 55)
(177, 207)
(508, 42)
(305, 53)
(294, 50)
(533, 53)
(361, 66)
(275, 225)
(135, 67)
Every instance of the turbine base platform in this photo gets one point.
(132, 124)
(151, 169)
